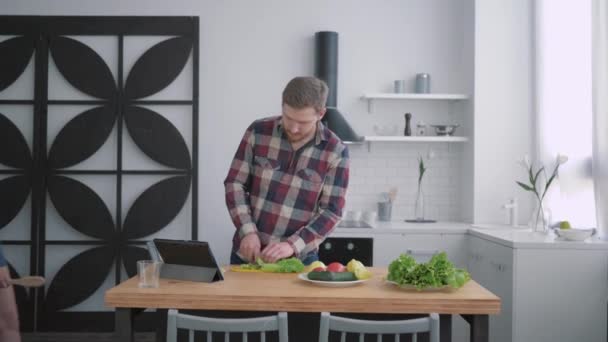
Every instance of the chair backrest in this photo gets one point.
(359, 326)
(260, 325)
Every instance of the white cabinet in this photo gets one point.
(556, 295)
(491, 265)
(387, 247)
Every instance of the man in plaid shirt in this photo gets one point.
(286, 185)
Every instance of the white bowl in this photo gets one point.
(575, 234)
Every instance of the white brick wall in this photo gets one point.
(389, 164)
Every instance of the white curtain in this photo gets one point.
(564, 105)
(600, 112)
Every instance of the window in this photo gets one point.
(564, 105)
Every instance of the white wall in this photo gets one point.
(503, 105)
(250, 49)
(390, 165)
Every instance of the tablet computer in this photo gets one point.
(187, 260)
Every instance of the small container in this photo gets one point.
(399, 86)
(370, 218)
(353, 215)
(384, 211)
(421, 128)
(423, 83)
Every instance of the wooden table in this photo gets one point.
(285, 292)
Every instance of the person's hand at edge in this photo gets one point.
(4, 278)
(277, 251)
(250, 247)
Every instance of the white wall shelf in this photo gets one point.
(415, 138)
(395, 138)
(371, 97)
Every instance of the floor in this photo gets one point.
(80, 337)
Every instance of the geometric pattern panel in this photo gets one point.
(100, 156)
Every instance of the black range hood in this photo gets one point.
(326, 68)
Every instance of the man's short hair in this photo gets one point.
(302, 92)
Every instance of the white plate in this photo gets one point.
(414, 288)
(304, 276)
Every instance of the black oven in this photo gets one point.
(343, 250)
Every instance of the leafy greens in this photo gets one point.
(438, 272)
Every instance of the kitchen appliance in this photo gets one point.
(326, 68)
(407, 131)
(343, 250)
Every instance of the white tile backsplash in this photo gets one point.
(386, 164)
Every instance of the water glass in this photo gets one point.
(149, 273)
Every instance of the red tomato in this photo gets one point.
(318, 269)
(336, 267)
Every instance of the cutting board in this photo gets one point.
(237, 268)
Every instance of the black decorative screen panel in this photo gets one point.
(98, 154)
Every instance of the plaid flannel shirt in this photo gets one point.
(286, 195)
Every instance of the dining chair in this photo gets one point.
(360, 326)
(176, 320)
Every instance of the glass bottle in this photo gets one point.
(419, 207)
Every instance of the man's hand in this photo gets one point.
(277, 251)
(250, 247)
(4, 278)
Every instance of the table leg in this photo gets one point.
(445, 328)
(161, 329)
(124, 324)
(479, 327)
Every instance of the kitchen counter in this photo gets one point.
(524, 238)
(502, 234)
(393, 227)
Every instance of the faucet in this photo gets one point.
(512, 207)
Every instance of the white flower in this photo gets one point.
(561, 159)
(525, 162)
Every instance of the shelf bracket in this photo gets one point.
(370, 106)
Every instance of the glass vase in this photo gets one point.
(419, 207)
(540, 219)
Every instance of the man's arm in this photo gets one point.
(237, 196)
(236, 184)
(331, 204)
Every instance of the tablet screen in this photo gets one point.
(182, 252)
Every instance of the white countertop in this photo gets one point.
(524, 238)
(502, 234)
(394, 227)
